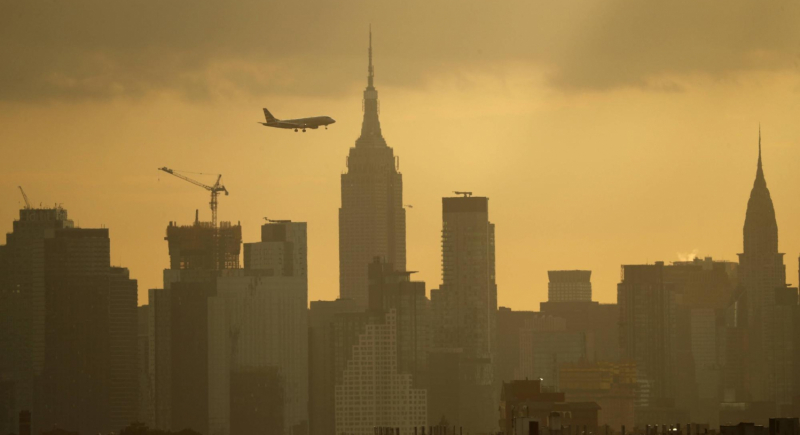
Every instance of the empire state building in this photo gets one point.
(372, 220)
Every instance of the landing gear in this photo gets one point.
(304, 130)
(326, 127)
(295, 130)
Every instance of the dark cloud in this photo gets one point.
(201, 49)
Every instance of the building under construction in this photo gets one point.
(201, 246)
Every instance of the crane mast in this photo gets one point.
(215, 190)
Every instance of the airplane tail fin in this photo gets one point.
(269, 116)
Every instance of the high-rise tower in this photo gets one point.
(762, 274)
(464, 312)
(372, 220)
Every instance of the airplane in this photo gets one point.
(301, 123)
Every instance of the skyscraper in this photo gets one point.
(374, 392)
(258, 337)
(646, 302)
(75, 375)
(761, 274)
(372, 220)
(321, 362)
(179, 322)
(569, 286)
(123, 348)
(465, 306)
(22, 308)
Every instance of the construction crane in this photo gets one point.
(466, 194)
(215, 190)
(25, 197)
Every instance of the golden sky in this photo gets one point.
(604, 132)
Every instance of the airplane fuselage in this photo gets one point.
(300, 123)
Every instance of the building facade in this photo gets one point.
(761, 274)
(372, 220)
(569, 286)
(373, 392)
(465, 306)
(321, 363)
(258, 336)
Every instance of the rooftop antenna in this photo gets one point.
(25, 197)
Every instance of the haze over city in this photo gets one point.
(604, 132)
(386, 218)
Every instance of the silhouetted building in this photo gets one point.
(646, 316)
(784, 426)
(178, 322)
(144, 382)
(372, 220)
(465, 306)
(179, 354)
(259, 326)
(509, 325)
(762, 272)
(599, 322)
(743, 429)
(703, 288)
(446, 389)
(321, 364)
(200, 246)
(75, 382)
(123, 348)
(543, 351)
(390, 289)
(569, 286)
(382, 356)
(528, 400)
(22, 308)
(373, 392)
(257, 401)
(611, 385)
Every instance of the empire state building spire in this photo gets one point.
(371, 69)
(371, 126)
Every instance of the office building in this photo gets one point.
(123, 348)
(373, 392)
(569, 286)
(372, 220)
(178, 322)
(647, 327)
(761, 272)
(22, 308)
(77, 342)
(611, 385)
(542, 352)
(258, 336)
(390, 289)
(321, 367)
(465, 306)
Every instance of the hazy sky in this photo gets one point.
(604, 132)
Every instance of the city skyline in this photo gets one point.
(523, 153)
(547, 224)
